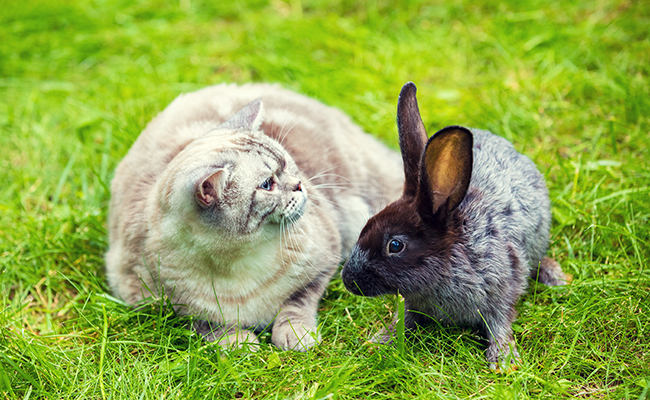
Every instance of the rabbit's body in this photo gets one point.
(462, 241)
(503, 229)
(503, 220)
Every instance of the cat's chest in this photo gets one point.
(250, 290)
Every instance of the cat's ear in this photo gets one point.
(248, 119)
(210, 188)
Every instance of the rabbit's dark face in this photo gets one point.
(394, 253)
(403, 247)
(379, 253)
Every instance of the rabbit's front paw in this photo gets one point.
(384, 336)
(503, 355)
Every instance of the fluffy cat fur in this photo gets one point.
(240, 210)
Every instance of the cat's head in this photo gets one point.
(236, 179)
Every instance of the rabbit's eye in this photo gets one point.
(395, 246)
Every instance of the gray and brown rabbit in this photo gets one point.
(470, 228)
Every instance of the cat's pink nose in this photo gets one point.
(298, 187)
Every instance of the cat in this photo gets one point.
(239, 203)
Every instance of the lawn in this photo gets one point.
(567, 82)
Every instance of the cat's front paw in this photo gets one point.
(239, 338)
(294, 336)
(226, 336)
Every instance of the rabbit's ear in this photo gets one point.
(446, 171)
(412, 136)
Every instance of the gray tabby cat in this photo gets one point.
(239, 202)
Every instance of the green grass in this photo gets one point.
(567, 82)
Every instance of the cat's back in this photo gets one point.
(316, 135)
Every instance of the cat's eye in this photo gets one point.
(267, 184)
(395, 246)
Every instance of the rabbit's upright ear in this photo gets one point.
(446, 172)
(412, 136)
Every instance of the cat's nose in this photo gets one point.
(298, 187)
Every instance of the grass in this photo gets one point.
(567, 82)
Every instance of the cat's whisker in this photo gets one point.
(323, 176)
(324, 199)
(337, 185)
(284, 233)
(290, 244)
(282, 129)
(331, 256)
(357, 191)
(273, 124)
(292, 241)
(341, 185)
(295, 228)
(322, 173)
(325, 210)
(282, 136)
(287, 133)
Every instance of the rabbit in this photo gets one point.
(471, 226)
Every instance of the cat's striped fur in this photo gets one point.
(243, 209)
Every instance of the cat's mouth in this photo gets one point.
(295, 208)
